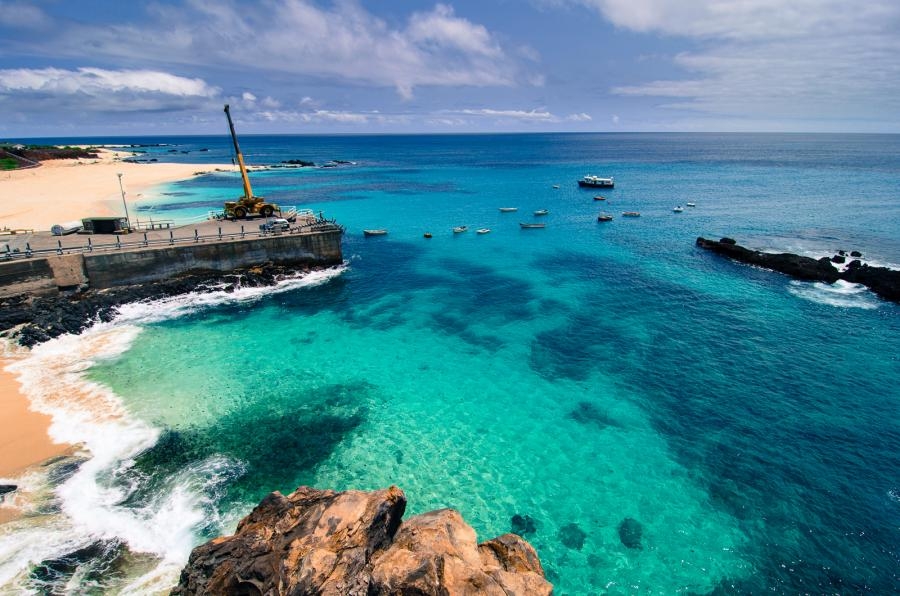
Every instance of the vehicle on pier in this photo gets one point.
(248, 204)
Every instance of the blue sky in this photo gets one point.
(366, 66)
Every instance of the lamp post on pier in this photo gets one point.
(124, 204)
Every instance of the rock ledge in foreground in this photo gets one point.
(354, 543)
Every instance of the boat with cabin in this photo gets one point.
(483, 231)
(678, 209)
(460, 229)
(590, 181)
(379, 232)
(631, 213)
(541, 212)
(604, 217)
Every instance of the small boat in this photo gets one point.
(599, 198)
(541, 212)
(678, 209)
(691, 204)
(460, 229)
(508, 209)
(604, 217)
(428, 234)
(556, 186)
(375, 232)
(596, 182)
(631, 213)
(528, 226)
(483, 231)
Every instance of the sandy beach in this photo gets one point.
(61, 191)
(64, 190)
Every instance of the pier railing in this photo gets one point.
(311, 226)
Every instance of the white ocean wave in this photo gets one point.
(841, 294)
(91, 415)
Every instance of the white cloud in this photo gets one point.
(248, 97)
(22, 14)
(94, 82)
(582, 117)
(343, 42)
(813, 59)
(536, 115)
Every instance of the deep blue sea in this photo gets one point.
(660, 419)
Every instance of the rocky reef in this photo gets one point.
(30, 320)
(881, 280)
(354, 543)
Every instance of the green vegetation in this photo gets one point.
(8, 163)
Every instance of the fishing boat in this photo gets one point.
(599, 198)
(541, 212)
(381, 232)
(631, 213)
(460, 229)
(528, 226)
(427, 234)
(508, 209)
(678, 209)
(596, 182)
(483, 231)
(604, 217)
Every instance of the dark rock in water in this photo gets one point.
(92, 564)
(881, 280)
(64, 469)
(7, 488)
(855, 253)
(353, 542)
(838, 259)
(572, 536)
(299, 162)
(630, 533)
(523, 525)
(588, 413)
(46, 317)
(843, 253)
(398, 455)
(727, 240)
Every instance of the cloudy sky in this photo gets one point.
(384, 66)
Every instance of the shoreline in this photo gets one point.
(63, 190)
(24, 437)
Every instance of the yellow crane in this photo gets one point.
(247, 204)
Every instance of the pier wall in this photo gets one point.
(135, 266)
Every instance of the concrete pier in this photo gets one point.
(39, 263)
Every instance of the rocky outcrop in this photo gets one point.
(881, 280)
(31, 320)
(353, 543)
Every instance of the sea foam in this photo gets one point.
(841, 294)
(91, 502)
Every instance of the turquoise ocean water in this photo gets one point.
(665, 421)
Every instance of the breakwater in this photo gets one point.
(45, 265)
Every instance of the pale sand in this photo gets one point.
(65, 190)
(23, 433)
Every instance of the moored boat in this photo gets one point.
(508, 209)
(427, 234)
(691, 204)
(678, 209)
(460, 229)
(380, 232)
(541, 212)
(526, 226)
(483, 231)
(596, 182)
(604, 217)
(631, 213)
(599, 198)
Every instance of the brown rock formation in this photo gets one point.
(353, 544)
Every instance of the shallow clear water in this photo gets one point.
(581, 375)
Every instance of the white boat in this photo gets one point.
(631, 213)
(508, 209)
(604, 217)
(691, 204)
(527, 226)
(381, 232)
(596, 182)
(541, 212)
(556, 186)
(460, 229)
(678, 209)
(483, 231)
(599, 198)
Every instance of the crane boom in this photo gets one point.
(248, 192)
